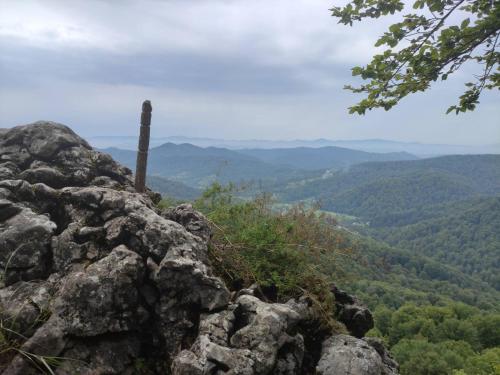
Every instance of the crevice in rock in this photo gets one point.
(314, 335)
(241, 319)
(59, 216)
(267, 293)
(49, 260)
(218, 366)
(194, 312)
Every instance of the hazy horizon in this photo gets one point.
(367, 145)
(180, 136)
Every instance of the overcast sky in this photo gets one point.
(234, 69)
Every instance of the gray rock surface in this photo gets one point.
(95, 275)
(191, 219)
(90, 266)
(343, 354)
(250, 337)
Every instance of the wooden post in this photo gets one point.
(142, 152)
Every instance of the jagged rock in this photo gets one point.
(52, 153)
(107, 272)
(357, 318)
(8, 170)
(46, 175)
(24, 305)
(96, 275)
(250, 337)
(110, 355)
(8, 209)
(48, 341)
(190, 219)
(24, 243)
(266, 331)
(42, 139)
(104, 297)
(343, 354)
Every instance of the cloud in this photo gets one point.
(275, 32)
(221, 68)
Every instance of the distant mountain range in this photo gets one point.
(198, 166)
(369, 145)
(328, 157)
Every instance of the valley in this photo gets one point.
(422, 234)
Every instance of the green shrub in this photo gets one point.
(277, 250)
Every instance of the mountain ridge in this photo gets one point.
(199, 166)
(420, 149)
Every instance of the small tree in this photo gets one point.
(427, 46)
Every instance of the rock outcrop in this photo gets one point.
(344, 354)
(96, 280)
(357, 318)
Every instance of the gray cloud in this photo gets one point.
(220, 68)
(23, 65)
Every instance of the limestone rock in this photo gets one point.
(103, 298)
(24, 243)
(250, 337)
(52, 153)
(391, 367)
(343, 354)
(93, 272)
(190, 219)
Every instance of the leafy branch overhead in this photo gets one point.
(431, 42)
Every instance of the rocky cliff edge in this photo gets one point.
(96, 280)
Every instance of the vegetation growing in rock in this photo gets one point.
(277, 250)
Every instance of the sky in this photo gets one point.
(233, 69)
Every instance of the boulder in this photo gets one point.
(52, 153)
(343, 354)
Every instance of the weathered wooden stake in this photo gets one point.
(142, 152)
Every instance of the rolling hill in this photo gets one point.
(329, 157)
(368, 145)
(445, 208)
(378, 191)
(199, 167)
(462, 234)
(172, 189)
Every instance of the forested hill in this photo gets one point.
(171, 188)
(463, 234)
(329, 157)
(199, 167)
(382, 191)
(447, 208)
